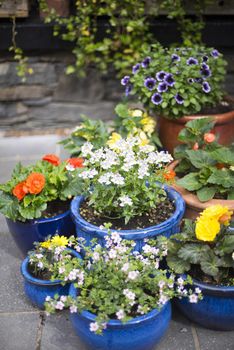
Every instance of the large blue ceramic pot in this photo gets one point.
(167, 228)
(37, 290)
(215, 311)
(141, 333)
(25, 233)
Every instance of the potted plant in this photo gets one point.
(180, 84)
(205, 251)
(35, 201)
(121, 295)
(205, 168)
(43, 266)
(123, 185)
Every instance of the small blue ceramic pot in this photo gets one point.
(37, 290)
(141, 333)
(215, 311)
(167, 228)
(26, 233)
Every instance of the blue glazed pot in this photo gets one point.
(37, 290)
(25, 233)
(141, 333)
(215, 311)
(167, 228)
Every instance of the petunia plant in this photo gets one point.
(113, 282)
(29, 191)
(207, 167)
(178, 81)
(122, 179)
(205, 248)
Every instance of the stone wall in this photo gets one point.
(50, 99)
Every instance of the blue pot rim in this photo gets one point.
(212, 289)
(29, 278)
(138, 233)
(116, 323)
(41, 220)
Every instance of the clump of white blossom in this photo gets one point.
(116, 280)
(121, 174)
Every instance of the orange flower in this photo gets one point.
(209, 137)
(195, 146)
(20, 190)
(52, 158)
(169, 175)
(35, 183)
(76, 162)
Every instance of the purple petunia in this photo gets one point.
(175, 58)
(215, 53)
(145, 63)
(179, 99)
(206, 73)
(136, 68)
(190, 80)
(156, 99)
(128, 89)
(205, 66)
(160, 75)
(125, 80)
(169, 80)
(150, 83)
(191, 61)
(162, 87)
(205, 58)
(206, 87)
(198, 80)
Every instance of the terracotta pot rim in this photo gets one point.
(192, 200)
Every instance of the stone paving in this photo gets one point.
(22, 326)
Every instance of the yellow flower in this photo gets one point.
(218, 212)
(115, 137)
(136, 112)
(46, 244)
(207, 229)
(148, 125)
(59, 241)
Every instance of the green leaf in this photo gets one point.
(226, 246)
(122, 110)
(193, 252)
(178, 265)
(200, 158)
(206, 193)
(223, 155)
(231, 195)
(190, 182)
(210, 263)
(9, 206)
(222, 177)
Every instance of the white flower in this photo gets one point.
(70, 167)
(61, 269)
(233, 255)
(116, 237)
(40, 264)
(39, 256)
(132, 275)
(73, 308)
(96, 256)
(105, 179)
(125, 267)
(197, 290)
(143, 169)
(117, 179)
(120, 314)
(161, 284)
(63, 298)
(180, 281)
(163, 299)
(48, 298)
(112, 254)
(193, 298)
(130, 295)
(125, 200)
(88, 174)
(147, 248)
(93, 326)
(86, 149)
(59, 305)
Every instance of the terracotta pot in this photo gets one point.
(193, 205)
(169, 129)
(60, 6)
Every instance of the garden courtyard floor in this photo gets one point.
(22, 326)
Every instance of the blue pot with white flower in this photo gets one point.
(39, 290)
(140, 333)
(167, 228)
(214, 311)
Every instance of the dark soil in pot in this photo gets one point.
(161, 213)
(223, 107)
(200, 276)
(55, 208)
(44, 275)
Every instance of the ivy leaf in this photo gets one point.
(190, 182)
(222, 177)
(193, 252)
(206, 193)
(200, 158)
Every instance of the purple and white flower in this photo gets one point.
(179, 99)
(136, 68)
(162, 87)
(128, 89)
(150, 83)
(160, 75)
(169, 80)
(191, 60)
(175, 58)
(156, 99)
(145, 63)
(215, 53)
(125, 80)
(206, 87)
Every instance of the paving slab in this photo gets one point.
(18, 331)
(215, 340)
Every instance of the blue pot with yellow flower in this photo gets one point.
(44, 267)
(205, 251)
